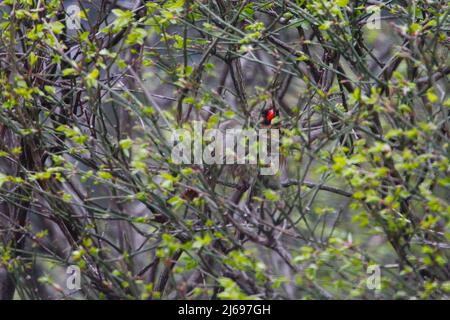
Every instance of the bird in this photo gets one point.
(263, 117)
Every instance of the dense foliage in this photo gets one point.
(86, 176)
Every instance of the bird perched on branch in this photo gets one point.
(262, 118)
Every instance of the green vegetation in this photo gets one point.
(86, 176)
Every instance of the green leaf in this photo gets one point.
(125, 144)
(123, 19)
(431, 96)
(213, 121)
(342, 3)
(271, 195)
(33, 58)
(57, 27)
(91, 78)
(176, 202)
(104, 175)
(68, 71)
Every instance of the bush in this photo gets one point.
(357, 90)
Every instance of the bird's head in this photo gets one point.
(269, 117)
